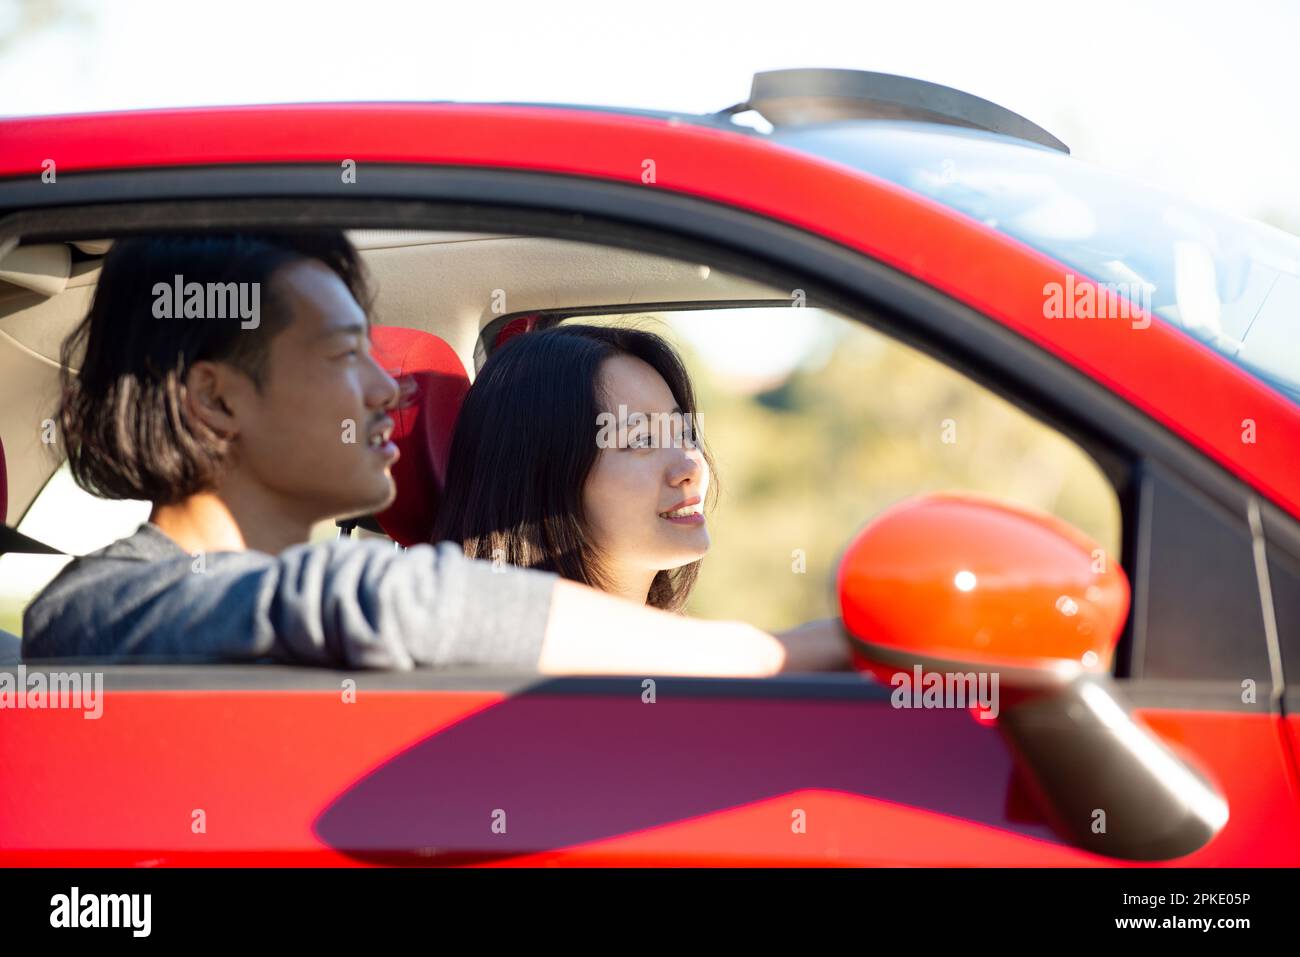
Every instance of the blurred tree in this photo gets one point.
(804, 465)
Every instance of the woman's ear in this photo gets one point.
(205, 402)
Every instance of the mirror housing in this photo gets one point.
(962, 579)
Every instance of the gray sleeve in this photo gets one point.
(345, 604)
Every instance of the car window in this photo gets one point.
(1230, 282)
(818, 423)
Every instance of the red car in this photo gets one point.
(1144, 713)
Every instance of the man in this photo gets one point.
(227, 379)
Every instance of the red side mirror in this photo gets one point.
(965, 579)
(960, 583)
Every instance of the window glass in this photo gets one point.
(1232, 283)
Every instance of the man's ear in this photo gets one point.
(207, 386)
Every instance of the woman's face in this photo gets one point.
(634, 487)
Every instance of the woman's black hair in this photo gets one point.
(121, 414)
(525, 442)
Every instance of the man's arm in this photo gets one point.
(341, 604)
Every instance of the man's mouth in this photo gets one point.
(380, 439)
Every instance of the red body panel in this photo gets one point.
(264, 766)
(1182, 384)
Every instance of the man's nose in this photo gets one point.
(389, 391)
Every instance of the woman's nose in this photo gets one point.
(688, 466)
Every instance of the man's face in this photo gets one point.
(316, 434)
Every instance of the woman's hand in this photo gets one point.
(821, 645)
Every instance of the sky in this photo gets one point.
(1198, 97)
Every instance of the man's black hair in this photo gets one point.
(122, 414)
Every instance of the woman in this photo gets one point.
(577, 451)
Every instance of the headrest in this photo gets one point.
(10, 540)
(517, 326)
(434, 384)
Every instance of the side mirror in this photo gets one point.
(962, 579)
(956, 592)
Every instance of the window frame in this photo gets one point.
(1121, 439)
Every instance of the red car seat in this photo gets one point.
(434, 383)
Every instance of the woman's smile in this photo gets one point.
(689, 512)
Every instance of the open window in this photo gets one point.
(818, 422)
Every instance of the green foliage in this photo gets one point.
(806, 464)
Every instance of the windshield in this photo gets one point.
(1232, 283)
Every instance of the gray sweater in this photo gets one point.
(351, 604)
